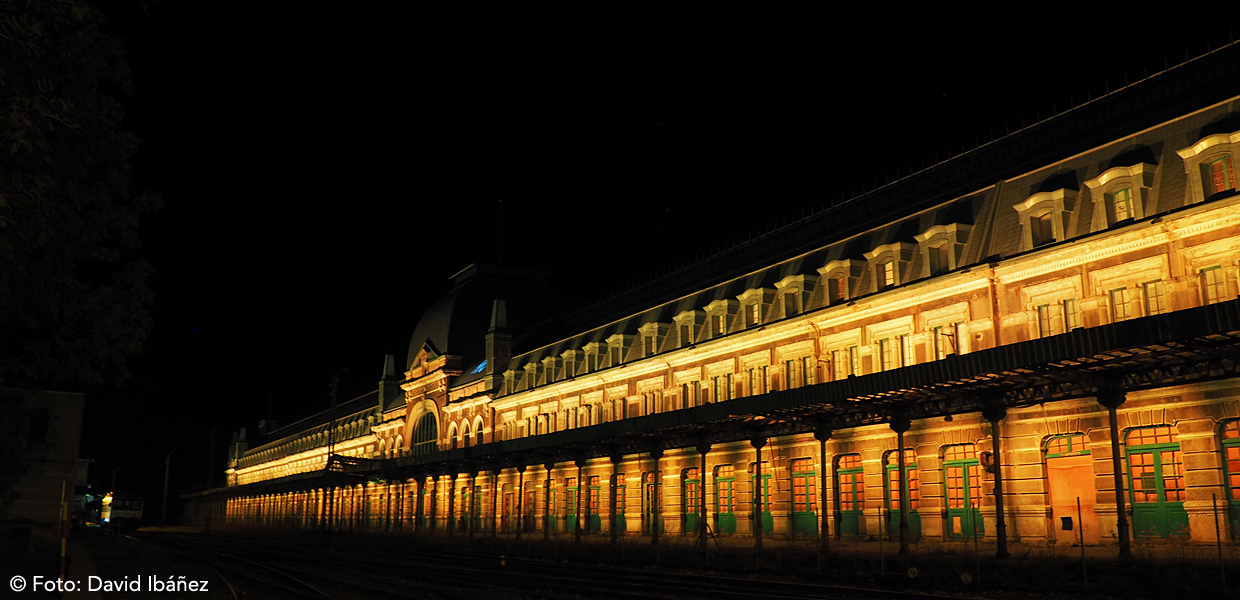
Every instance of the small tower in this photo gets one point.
(498, 346)
(389, 385)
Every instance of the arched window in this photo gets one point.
(464, 436)
(477, 431)
(426, 435)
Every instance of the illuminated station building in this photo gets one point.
(967, 351)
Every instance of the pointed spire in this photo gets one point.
(499, 315)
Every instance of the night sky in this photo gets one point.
(324, 172)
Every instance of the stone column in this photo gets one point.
(472, 510)
(611, 506)
(656, 508)
(822, 435)
(495, 491)
(547, 524)
(995, 414)
(1112, 399)
(758, 444)
(452, 505)
(703, 449)
(581, 487)
(520, 499)
(901, 425)
(434, 494)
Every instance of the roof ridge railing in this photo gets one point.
(824, 207)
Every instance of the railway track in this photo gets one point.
(411, 572)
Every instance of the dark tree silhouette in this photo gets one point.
(74, 304)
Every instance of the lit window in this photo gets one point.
(1045, 325)
(1155, 298)
(751, 315)
(944, 341)
(1119, 305)
(721, 388)
(648, 344)
(855, 359)
(1221, 176)
(1213, 285)
(888, 274)
(1042, 229)
(757, 380)
(716, 326)
(906, 350)
(689, 394)
(888, 352)
(835, 290)
(686, 337)
(1072, 316)
(1122, 202)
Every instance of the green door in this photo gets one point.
(689, 500)
(804, 497)
(570, 506)
(764, 501)
(893, 494)
(851, 494)
(725, 519)
(1156, 481)
(1231, 454)
(963, 473)
(594, 521)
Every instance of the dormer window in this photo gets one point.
(593, 352)
(617, 348)
(753, 303)
(571, 360)
(887, 275)
(793, 291)
(651, 336)
(1045, 217)
(686, 326)
(942, 247)
(718, 313)
(841, 277)
(550, 366)
(1210, 166)
(889, 264)
(1221, 176)
(836, 290)
(1042, 229)
(1120, 194)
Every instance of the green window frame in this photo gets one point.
(1120, 310)
(1220, 176)
(1213, 285)
(1068, 444)
(1155, 297)
(1121, 204)
(1156, 483)
(962, 476)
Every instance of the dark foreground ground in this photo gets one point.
(265, 565)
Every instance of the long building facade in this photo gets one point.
(1037, 340)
